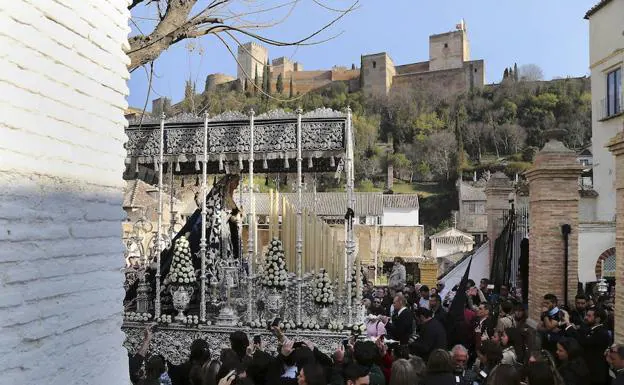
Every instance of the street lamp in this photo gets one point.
(603, 286)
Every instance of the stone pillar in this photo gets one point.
(616, 146)
(390, 177)
(497, 193)
(553, 202)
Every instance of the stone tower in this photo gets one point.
(449, 50)
(377, 73)
(251, 56)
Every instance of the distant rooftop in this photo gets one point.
(596, 8)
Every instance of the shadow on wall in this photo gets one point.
(62, 287)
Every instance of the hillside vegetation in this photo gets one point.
(431, 140)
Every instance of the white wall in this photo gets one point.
(399, 217)
(62, 95)
(442, 250)
(605, 28)
(594, 239)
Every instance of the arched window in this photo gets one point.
(608, 267)
(605, 266)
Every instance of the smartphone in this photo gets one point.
(257, 340)
(345, 343)
(275, 322)
(490, 287)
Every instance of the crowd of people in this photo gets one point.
(414, 336)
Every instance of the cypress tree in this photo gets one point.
(279, 85)
(506, 73)
(256, 81)
(516, 72)
(290, 91)
(268, 78)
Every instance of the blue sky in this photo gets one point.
(549, 33)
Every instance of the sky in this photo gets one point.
(549, 33)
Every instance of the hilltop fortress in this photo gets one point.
(449, 70)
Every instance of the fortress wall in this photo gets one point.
(446, 82)
(413, 67)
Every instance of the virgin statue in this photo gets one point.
(222, 233)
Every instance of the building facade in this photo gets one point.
(63, 94)
(597, 211)
(449, 69)
(472, 217)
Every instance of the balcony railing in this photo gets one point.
(609, 108)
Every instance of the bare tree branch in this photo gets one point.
(177, 24)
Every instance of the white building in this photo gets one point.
(63, 85)
(400, 210)
(449, 246)
(606, 53)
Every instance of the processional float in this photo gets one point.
(197, 283)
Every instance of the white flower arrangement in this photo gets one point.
(166, 319)
(181, 271)
(357, 329)
(355, 293)
(274, 273)
(137, 317)
(311, 325)
(335, 325)
(191, 320)
(322, 291)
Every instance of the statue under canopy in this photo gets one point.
(223, 217)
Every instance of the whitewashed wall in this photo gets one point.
(594, 239)
(399, 217)
(62, 96)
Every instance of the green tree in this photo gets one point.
(506, 73)
(366, 185)
(399, 162)
(188, 104)
(256, 80)
(290, 88)
(279, 85)
(515, 71)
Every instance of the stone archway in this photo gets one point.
(603, 257)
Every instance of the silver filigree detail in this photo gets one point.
(185, 117)
(229, 116)
(324, 112)
(174, 342)
(277, 114)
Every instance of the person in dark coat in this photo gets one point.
(577, 315)
(432, 335)
(595, 341)
(400, 326)
(435, 305)
(439, 369)
(615, 358)
(573, 368)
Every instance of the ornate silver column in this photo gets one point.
(349, 220)
(299, 242)
(251, 218)
(161, 146)
(172, 220)
(202, 241)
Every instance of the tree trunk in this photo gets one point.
(173, 27)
